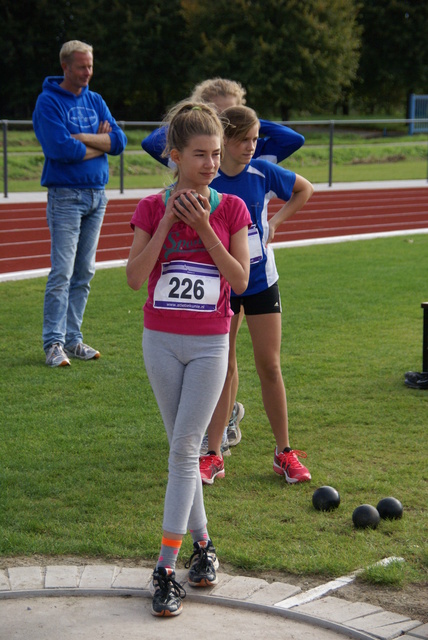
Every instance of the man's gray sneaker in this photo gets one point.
(233, 431)
(55, 356)
(82, 351)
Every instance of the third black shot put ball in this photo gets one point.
(325, 499)
(365, 517)
(390, 508)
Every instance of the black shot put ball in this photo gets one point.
(325, 499)
(365, 517)
(390, 508)
(184, 200)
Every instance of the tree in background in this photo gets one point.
(140, 55)
(394, 53)
(139, 60)
(299, 55)
(288, 54)
(150, 53)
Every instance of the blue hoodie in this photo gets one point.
(57, 115)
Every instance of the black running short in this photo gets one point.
(267, 301)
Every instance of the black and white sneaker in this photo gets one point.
(203, 564)
(416, 380)
(167, 593)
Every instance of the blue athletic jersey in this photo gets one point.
(258, 183)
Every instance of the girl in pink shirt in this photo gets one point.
(191, 244)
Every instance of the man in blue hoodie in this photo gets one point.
(76, 131)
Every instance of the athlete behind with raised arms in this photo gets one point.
(191, 245)
(276, 142)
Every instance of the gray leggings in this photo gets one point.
(187, 375)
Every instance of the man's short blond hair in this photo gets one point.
(69, 48)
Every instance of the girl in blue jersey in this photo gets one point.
(256, 182)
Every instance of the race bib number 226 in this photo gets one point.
(187, 286)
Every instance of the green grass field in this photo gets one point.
(83, 453)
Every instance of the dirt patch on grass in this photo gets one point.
(411, 601)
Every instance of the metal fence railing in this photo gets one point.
(332, 126)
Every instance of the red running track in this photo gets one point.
(25, 242)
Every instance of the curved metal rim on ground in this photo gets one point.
(296, 616)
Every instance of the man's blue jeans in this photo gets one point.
(74, 217)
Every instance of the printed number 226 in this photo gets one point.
(186, 289)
